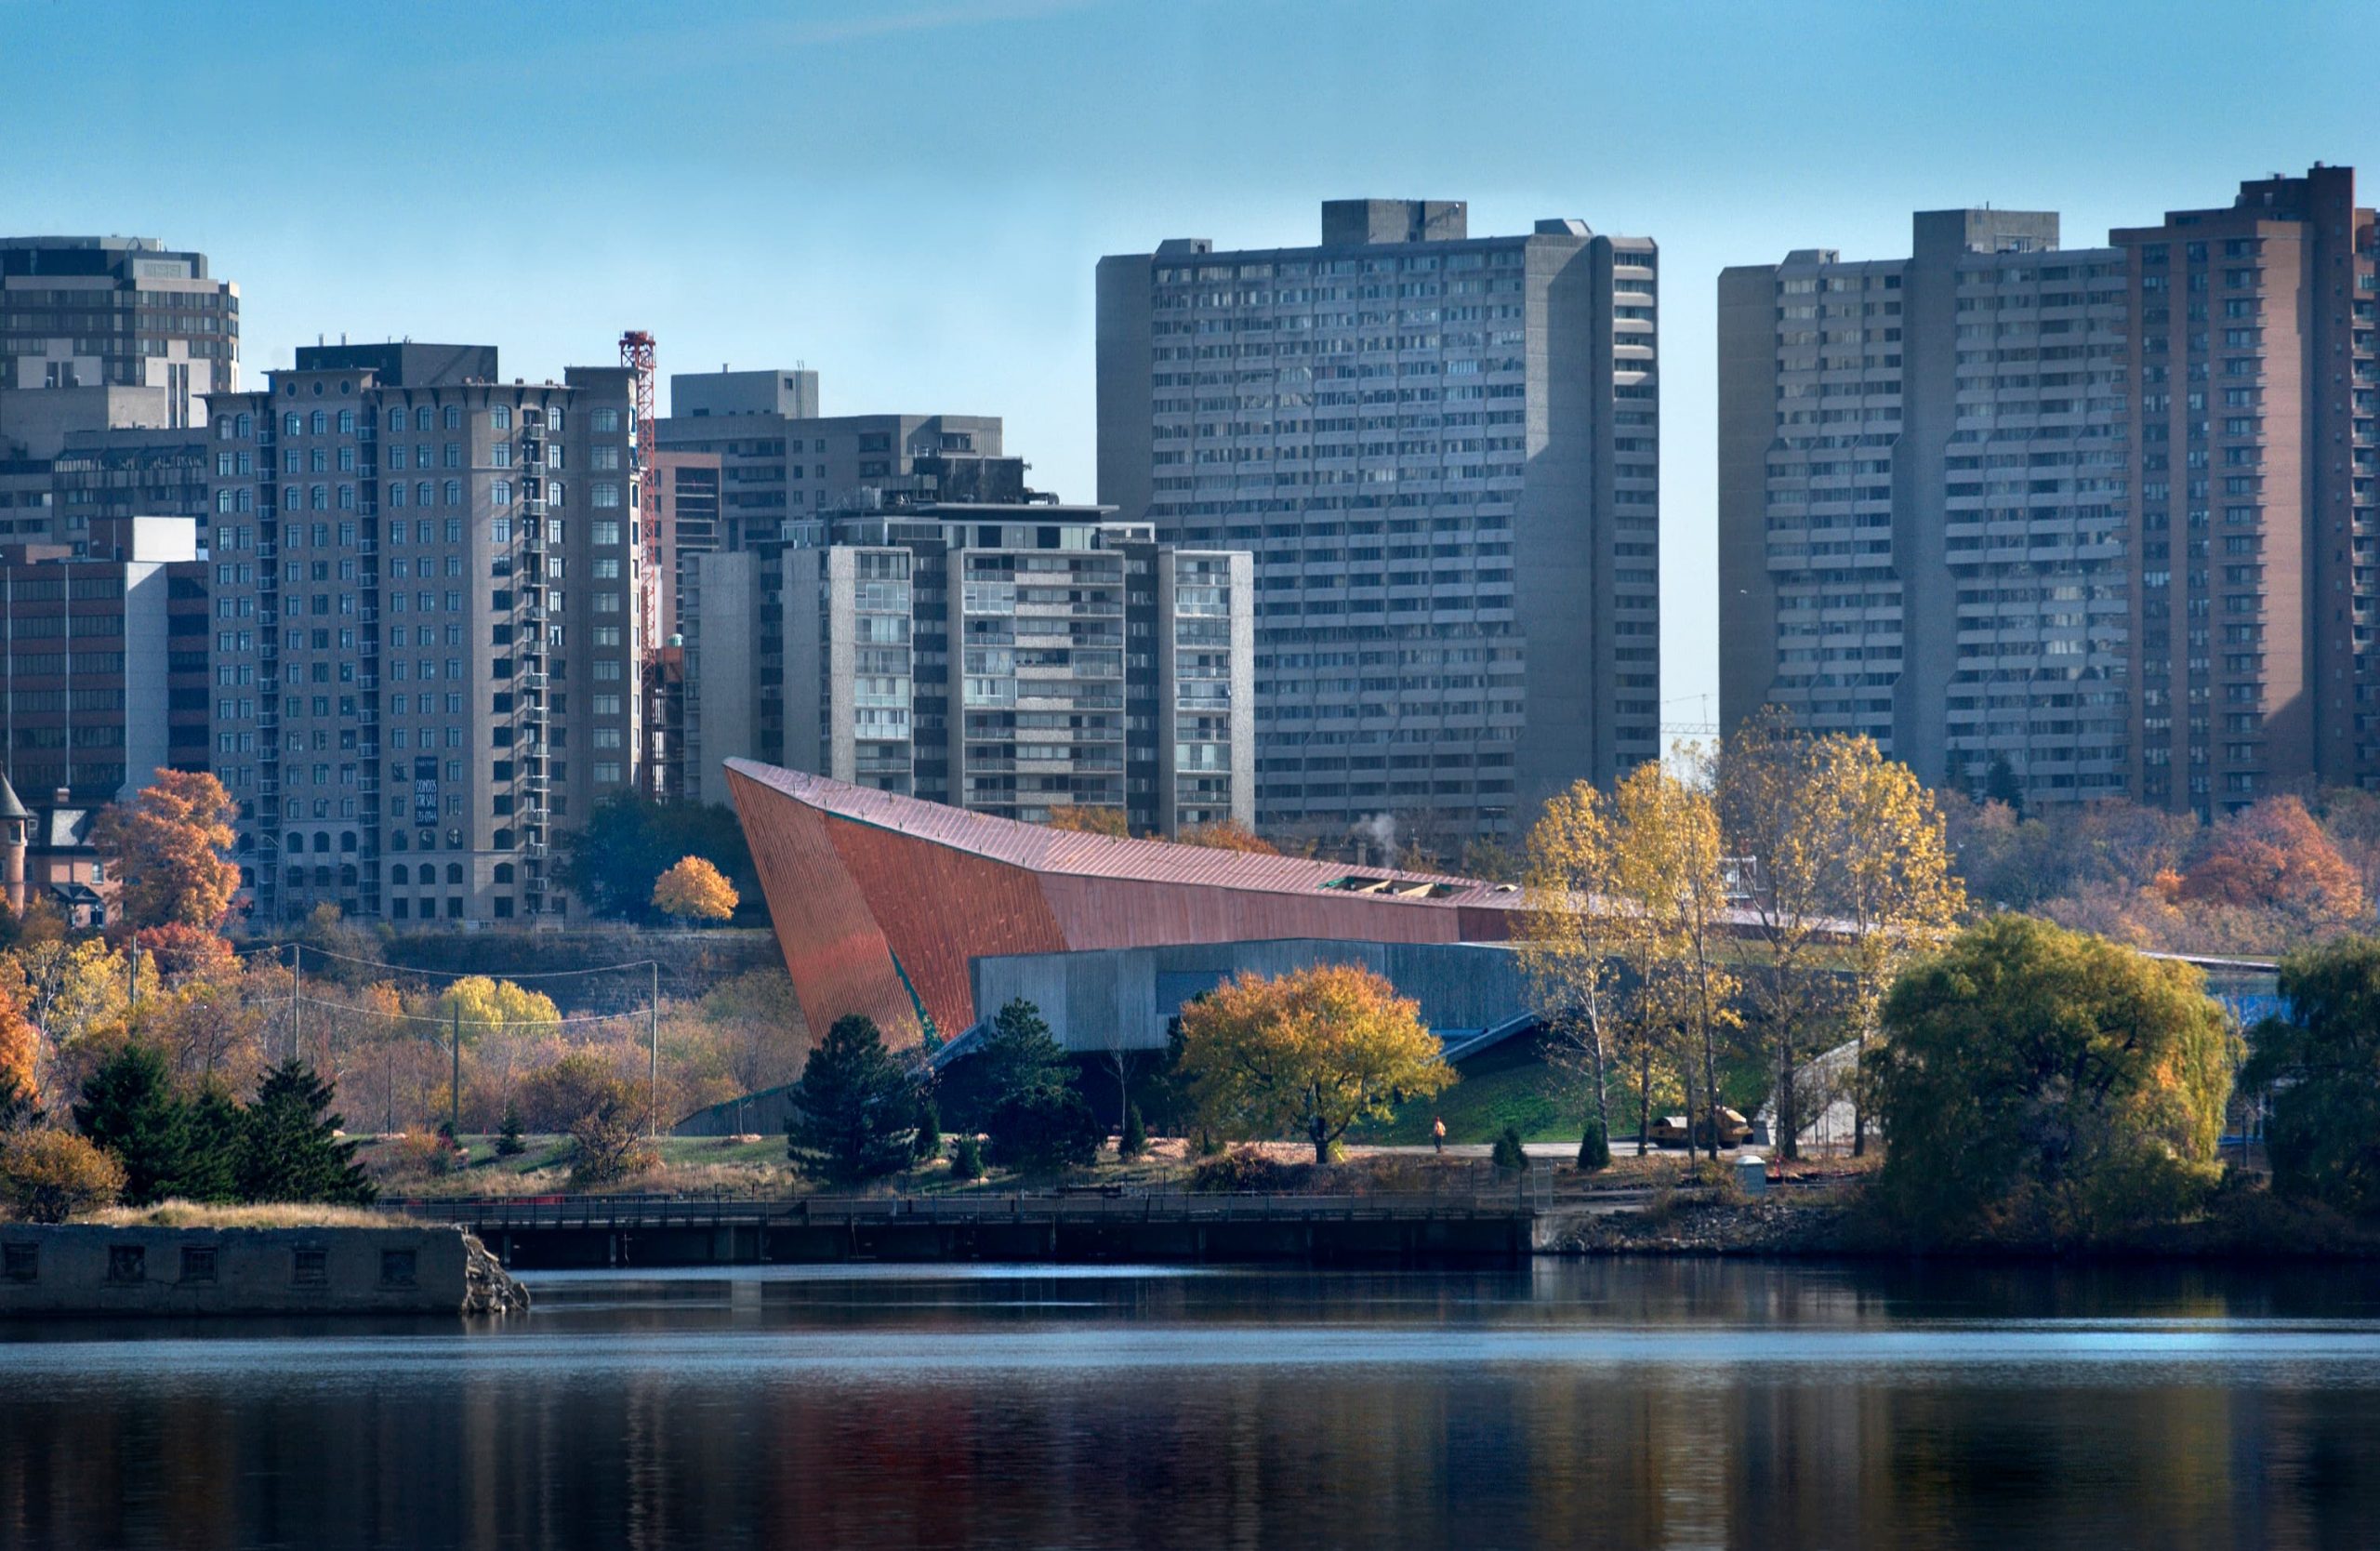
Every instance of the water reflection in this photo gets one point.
(1680, 1403)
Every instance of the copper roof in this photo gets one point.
(1071, 853)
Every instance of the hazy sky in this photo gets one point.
(910, 197)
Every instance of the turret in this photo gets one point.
(14, 825)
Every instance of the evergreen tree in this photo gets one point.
(1595, 1149)
(217, 1133)
(293, 1151)
(1136, 1139)
(129, 1108)
(967, 1158)
(511, 1140)
(854, 1110)
(1035, 1118)
(1509, 1153)
(929, 1146)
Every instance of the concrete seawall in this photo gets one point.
(87, 1269)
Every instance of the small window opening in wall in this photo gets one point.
(127, 1263)
(198, 1263)
(397, 1269)
(311, 1269)
(21, 1262)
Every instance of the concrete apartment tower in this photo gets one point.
(2095, 521)
(108, 349)
(426, 629)
(780, 468)
(1443, 452)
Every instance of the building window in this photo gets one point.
(21, 1262)
(397, 1267)
(198, 1263)
(127, 1263)
(310, 1268)
(607, 494)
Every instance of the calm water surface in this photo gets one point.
(1624, 1404)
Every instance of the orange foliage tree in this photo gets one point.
(2274, 855)
(1083, 820)
(19, 1048)
(183, 952)
(167, 848)
(1228, 834)
(693, 889)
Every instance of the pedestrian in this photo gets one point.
(1439, 1134)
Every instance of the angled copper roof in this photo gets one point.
(881, 901)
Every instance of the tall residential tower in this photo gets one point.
(1443, 452)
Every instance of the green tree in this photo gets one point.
(856, 1108)
(1034, 1119)
(2319, 1065)
(967, 1158)
(628, 840)
(1133, 1140)
(2044, 1084)
(1508, 1153)
(218, 1147)
(511, 1140)
(128, 1108)
(929, 1140)
(293, 1149)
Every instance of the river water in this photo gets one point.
(1563, 1404)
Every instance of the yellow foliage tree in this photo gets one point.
(169, 848)
(19, 1050)
(1228, 834)
(693, 889)
(1310, 1053)
(1574, 935)
(1894, 888)
(1083, 819)
(1670, 874)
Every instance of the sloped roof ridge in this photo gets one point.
(1042, 849)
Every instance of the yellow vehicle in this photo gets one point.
(1734, 1129)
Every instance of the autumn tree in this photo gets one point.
(169, 848)
(184, 953)
(1307, 1054)
(2318, 1064)
(2044, 1084)
(1783, 818)
(628, 840)
(1670, 876)
(20, 1053)
(498, 1019)
(55, 1177)
(1227, 834)
(2274, 855)
(695, 890)
(1084, 818)
(1894, 887)
(1574, 938)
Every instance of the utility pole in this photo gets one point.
(652, 1032)
(454, 1095)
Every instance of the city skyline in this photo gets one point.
(815, 210)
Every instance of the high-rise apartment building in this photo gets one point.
(1443, 452)
(103, 662)
(426, 638)
(1008, 655)
(116, 312)
(2085, 520)
(782, 467)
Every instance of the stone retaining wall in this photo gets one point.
(83, 1269)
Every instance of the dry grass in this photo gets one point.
(286, 1214)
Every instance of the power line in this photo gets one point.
(470, 1023)
(273, 949)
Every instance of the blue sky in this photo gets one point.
(910, 197)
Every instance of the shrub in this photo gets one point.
(1136, 1139)
(1244, 1170)
(609, 1142)
(1595, 1149)
(49, 1176)
(1509, 1153)
(967, 1158)
(420, 1152)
